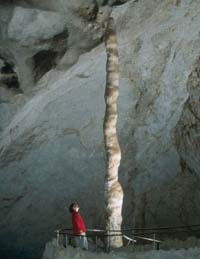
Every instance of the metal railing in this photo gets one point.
(133, 236)
(106, 235)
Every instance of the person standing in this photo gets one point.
(79, 228)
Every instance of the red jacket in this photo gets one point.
(77, 223)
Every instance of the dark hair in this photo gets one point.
(71, 207)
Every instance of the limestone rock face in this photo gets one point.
(27, 26)
(33, 32)
(36, 36)
(51, 140)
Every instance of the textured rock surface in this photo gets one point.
(27, 26)
(36, 36)
(52, 252)
(51, 140)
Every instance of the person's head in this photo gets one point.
(74, 207)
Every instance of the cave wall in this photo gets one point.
(51, 139)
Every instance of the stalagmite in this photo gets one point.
(113, 189)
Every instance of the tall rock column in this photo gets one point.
(113, 189)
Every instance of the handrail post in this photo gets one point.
(66, 239)
(57, 237)
(133, 239)
(108, 241)
(154, 241)
(96, 242)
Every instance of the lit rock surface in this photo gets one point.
(27, 26)
(52, 252)
(51, 138)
